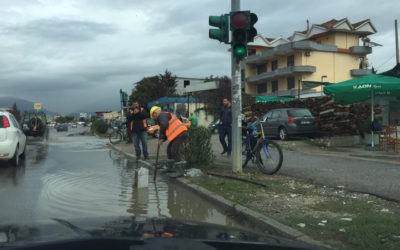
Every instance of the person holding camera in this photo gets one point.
(138, 126)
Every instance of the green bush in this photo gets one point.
(197, 149)
(99, 127)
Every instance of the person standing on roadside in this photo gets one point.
(138, 127)
(193, 120)
(225, 127)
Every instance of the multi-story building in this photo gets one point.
(330, 52)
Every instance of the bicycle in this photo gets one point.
(266, 154)
(118, 134)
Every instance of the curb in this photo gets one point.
(250, 215)
(254, 217)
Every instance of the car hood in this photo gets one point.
(130, 227)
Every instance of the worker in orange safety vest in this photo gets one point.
(171, 129)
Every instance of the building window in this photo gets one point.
(251, 52)
(243, 75)
(274, 85)
(274, 65)
(261, 68)
(290, 61)
(262, 88)
(290, 83)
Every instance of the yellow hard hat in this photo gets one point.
(154, 109)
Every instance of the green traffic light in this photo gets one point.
(222, 23)
(239, 51)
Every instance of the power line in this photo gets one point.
(386, 61)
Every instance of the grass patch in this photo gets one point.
(365, 231)
(344, 206)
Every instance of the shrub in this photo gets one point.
(99, 127)
(197, 149)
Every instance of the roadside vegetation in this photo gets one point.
(344, 220)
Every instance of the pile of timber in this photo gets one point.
(333, 119)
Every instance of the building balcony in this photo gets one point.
(362, 50)
(360, 72)
(288, 48)
(281, 72)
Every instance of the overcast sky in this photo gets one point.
(74, 55)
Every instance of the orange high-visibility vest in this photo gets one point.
(175, 128)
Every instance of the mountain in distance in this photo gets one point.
(22, 104)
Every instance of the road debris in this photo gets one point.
(302, 225)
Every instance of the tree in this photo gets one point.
(16, 112)
(152, 88)
(373, 70)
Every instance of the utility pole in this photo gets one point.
(397, 42)
(236, 106)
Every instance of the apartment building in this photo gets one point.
(300, 65)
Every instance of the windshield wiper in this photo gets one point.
(81, 232)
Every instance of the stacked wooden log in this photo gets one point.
(333, 118)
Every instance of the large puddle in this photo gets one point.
(79, 177)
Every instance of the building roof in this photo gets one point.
(363, 28)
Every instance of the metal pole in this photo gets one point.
(397, 42)
(236, 107)
(372, 119)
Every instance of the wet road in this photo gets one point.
(72, 177)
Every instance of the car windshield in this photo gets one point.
(299, 112)
(149, 117)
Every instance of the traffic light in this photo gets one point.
(243, 32)
(252, 32)
(222, 33)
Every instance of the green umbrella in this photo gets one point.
(364, 88)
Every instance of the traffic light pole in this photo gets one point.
(236, 107)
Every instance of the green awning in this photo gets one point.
(363, 88)
(272, 98)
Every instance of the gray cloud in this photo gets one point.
(71, 55)
(61, 30)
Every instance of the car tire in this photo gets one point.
(23, 155)
(282, 133)
(15, 160)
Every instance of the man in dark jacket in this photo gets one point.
(225, 127)
(138, 127)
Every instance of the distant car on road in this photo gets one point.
(74, 125)
(62, 127)
(12, 139)
(287, 122)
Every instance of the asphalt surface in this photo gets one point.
(72, 177)
(335, 169)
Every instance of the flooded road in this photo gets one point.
(72, 177)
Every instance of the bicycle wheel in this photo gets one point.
(269, 157)
(245, 159)
(115, 137)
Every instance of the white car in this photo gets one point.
(12, 139)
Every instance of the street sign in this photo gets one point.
(37, 106)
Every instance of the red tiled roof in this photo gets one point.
(355, 25)
(330, 24)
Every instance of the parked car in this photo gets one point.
(12, 139)
(213, 127)
(62, 127)
(287, 122)
(74, 125)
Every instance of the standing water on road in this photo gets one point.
(72, 177)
